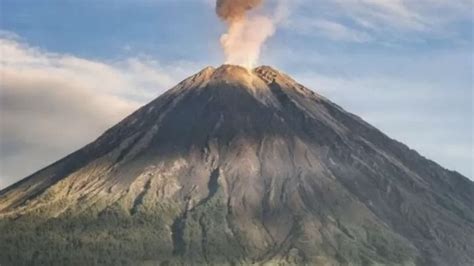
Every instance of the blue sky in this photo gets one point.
(398, 64)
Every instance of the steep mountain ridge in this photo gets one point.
(236, 166)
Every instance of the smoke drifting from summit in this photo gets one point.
(246, 32)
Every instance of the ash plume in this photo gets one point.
(246, 33)
(233, 10)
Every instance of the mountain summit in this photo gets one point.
(237, 167)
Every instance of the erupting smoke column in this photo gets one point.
(246, 34)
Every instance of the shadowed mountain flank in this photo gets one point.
(235, 167)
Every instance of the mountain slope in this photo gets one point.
(234, 166)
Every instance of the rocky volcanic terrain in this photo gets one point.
(240, 167)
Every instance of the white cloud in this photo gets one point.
(52, 104)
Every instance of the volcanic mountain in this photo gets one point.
(238, 167)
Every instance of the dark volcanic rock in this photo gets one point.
(235, 167)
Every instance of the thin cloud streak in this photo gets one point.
(328, 29)
(380, 20)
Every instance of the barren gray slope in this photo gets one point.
(235, 167)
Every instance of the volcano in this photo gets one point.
(240, 167)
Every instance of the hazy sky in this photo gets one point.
(71, 69)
